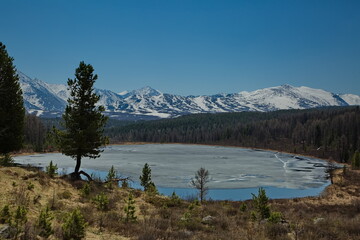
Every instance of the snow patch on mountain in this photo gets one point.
(50, 100)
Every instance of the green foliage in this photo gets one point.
(85, 190)
(51, 170)
(12, 109)
(355, 160)
(145, 179)
(243, 207)
(101, 201)
(30, 186)
(174, 201)
(261, 204)
(275, 217)
(83, 119)
(110, 177)
(6, 160)
(200, 181)
(44, 223)
(111, 174)
(74, 226)
(151, 189)
(129, 209)
(20, 216)
(5, 215)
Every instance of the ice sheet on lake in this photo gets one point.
(173, 165)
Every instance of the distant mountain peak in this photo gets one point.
(146, 91)
(49, 100)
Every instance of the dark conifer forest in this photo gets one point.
(332, 133)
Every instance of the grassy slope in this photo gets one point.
(336, 211)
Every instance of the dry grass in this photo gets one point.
(333, 215)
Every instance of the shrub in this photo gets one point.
(110, 177)
(129, 209)
(19, 219)
(74, 226)
(5, 215)
(85, 190)
(30, 186)
(243, 207)
(174, 200)
(101, 201)
(6, 160)
(51, 170)
(275, 217)
(44, 223)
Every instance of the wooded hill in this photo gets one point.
(326, 133)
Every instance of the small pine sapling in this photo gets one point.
(51, 170)
(129, 209)
(74, 226)
(44, 223)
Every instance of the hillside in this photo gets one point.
(333, 215)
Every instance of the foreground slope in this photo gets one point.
(333, 215)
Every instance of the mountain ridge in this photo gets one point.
(49, 100)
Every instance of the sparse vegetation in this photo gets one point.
(51, 170)
(136, 214)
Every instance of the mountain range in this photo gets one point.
(49, 100)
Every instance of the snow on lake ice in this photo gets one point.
(173, 165)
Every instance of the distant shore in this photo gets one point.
(201, 144)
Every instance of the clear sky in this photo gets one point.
(188, 47)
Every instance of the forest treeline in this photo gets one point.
(326, 133)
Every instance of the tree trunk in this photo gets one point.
(78, 163)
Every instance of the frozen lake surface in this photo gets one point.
(235, 173)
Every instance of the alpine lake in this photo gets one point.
(234, 172)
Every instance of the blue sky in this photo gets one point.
(188, 47)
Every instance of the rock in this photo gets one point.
(208, 220)
(6, 231)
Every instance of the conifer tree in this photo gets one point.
(145, 178)
(83, 119)
(12, 112)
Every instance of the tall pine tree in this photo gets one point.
(83, 120)
(12, 110)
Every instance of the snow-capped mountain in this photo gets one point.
(49, 100)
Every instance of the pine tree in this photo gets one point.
(261, 204)
(83, 120)
(145, 178)
(44, 223)
(12, 112)
(129, 209)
